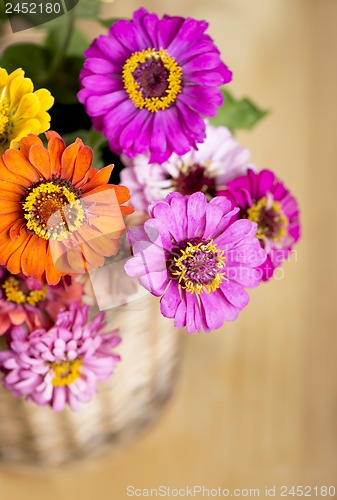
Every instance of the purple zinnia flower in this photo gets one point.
(61, 365)
(262, 198)
(193, 255)
(217, 161)
(148, 83)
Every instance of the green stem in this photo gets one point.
(64, 45)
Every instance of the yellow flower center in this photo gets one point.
(5, 124)
(14, 293)
(198, 268)
(272, 222)
(66, 372)
(152, 79)
(53, 211)
(3, 121)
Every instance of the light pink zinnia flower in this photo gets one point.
(193, 255)
(217, 161)
(61, 365)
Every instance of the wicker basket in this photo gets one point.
(124, 404)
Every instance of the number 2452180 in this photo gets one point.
(33, 8)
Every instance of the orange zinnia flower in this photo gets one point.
(55, 208)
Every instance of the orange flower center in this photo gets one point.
(53, 210)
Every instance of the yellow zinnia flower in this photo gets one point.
(22, 111)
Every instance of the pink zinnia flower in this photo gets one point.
(149, 82)
(216, 161)
(26, 300)
(264, 199)
(61, 365)
(193, 255)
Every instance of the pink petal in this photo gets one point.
(170, 300)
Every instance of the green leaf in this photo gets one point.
(33, 59)
(55, 34)
(108, 22)
(64, 84)
(77, 43)
(237, 114)
(95, 140)
(87, 8)
(72, 136)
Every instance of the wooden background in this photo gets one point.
(256, 403)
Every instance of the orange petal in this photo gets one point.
(97, 208)
(17, 163)
(5, 323)
(98, 190)
(27, 142)
(6, 221)
(60, 253)
(112, 225)
(52, 134)
(128, 210)
(104, 245)
(52, 275)
(33, 258)
(8, 175)
(101, 178)
(91, 258)
(10, 246)
(16, 228)
(77, 261)
(39, 157)
(11, 186)
(56, 148)
(101, 243)
(9, 207)
(18, 316)
(83, 163)
(14, 261)
(68, 160)
(10, 191)
(122, 193)
(92, 172)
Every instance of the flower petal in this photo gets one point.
(170, 300)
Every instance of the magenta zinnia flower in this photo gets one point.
(193, 255)
(217, 161)
(262, 198)
(61, 365)
(148, 83)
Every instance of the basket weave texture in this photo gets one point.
(124, 404)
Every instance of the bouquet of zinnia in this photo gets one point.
(210, 225)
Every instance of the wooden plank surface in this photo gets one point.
(256, 402)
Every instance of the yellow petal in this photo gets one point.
(45, 98)
(23, 128)
(44, 119)
(14, 74)
(29, 107)
(3, 79)
(18, 88)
